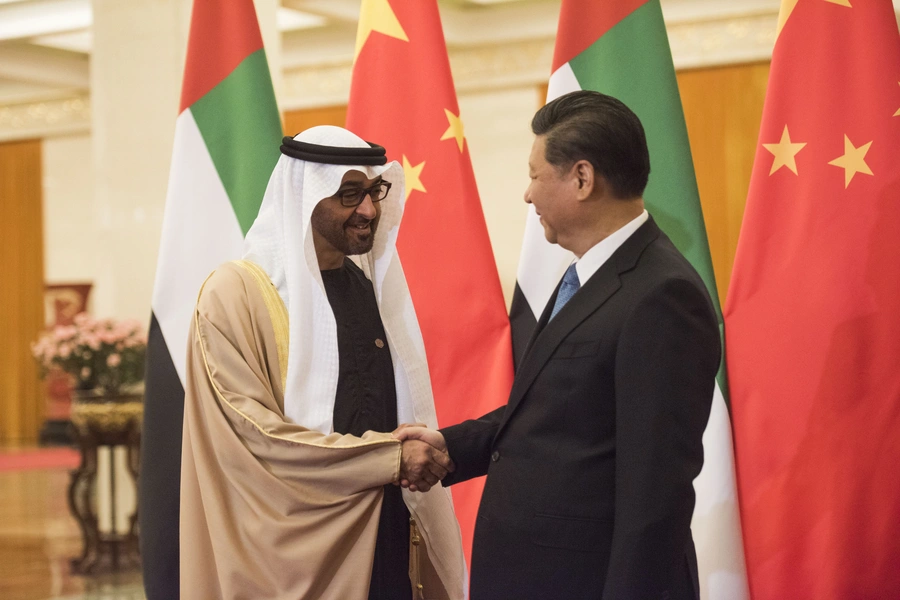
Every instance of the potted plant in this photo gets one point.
(104, 357)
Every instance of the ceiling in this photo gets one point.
(45, 45)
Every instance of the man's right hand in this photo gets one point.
(423, 459)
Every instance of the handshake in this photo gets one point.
(423, 457)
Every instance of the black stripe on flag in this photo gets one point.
(160, 480)
(522, 322)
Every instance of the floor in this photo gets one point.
(38, 537)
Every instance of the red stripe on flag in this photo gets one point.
(400, 93)
(586, 21)
(813, 314)
(223, 33)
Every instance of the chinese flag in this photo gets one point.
(813, 313)
(402, 97)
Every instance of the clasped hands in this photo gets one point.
(423, 457)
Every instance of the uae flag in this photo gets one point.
(227, 137)
(621, 49)
(813, 314)
(402, 97)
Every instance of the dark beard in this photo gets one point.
(341, 234)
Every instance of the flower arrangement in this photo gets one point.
(100, 354)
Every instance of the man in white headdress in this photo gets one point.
(301, 361)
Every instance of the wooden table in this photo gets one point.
(110, 422)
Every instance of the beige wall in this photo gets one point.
(497, 126)
(71, 252)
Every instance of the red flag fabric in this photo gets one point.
(813, 313)
(402, 97)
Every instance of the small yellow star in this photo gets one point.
(412, 174)
(853, 161)
(840, 2)
(377, 15)
(785, 152)
(455, 130)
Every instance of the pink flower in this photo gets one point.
(85, 372)
(64, 332)
(64, 351)
(114, 360)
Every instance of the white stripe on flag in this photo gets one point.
(716, 524)
(541, 265)
(562, 82)
(200, 232)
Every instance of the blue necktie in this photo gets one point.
(567, 289)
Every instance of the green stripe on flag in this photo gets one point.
(239, 122)
(633, 63)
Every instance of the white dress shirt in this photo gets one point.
(600, 252)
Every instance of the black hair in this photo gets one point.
(591, 126)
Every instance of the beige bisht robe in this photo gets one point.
(270, 509)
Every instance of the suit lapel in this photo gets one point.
(599, 288)
(542, 322)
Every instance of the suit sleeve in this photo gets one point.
(666, 362)
(469, 446)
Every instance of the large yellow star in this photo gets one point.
(412, 174)
(785, 152)
(377, 15)
(455, 130)
(853, 161)
(841, 2)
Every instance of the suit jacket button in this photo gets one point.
(495, 456)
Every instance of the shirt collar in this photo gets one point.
(600, 252)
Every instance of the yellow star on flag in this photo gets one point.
(377, 15)
(853, 161)
(841, 2)
(455, 130)
(412, 174)
(785, 152)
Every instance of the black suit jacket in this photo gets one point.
(590, 465)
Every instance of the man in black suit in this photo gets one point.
(590, 465)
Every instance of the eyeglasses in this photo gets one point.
(354, 196)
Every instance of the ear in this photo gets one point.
(586, 179)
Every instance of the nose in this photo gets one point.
(367, 208)
(527, 195)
